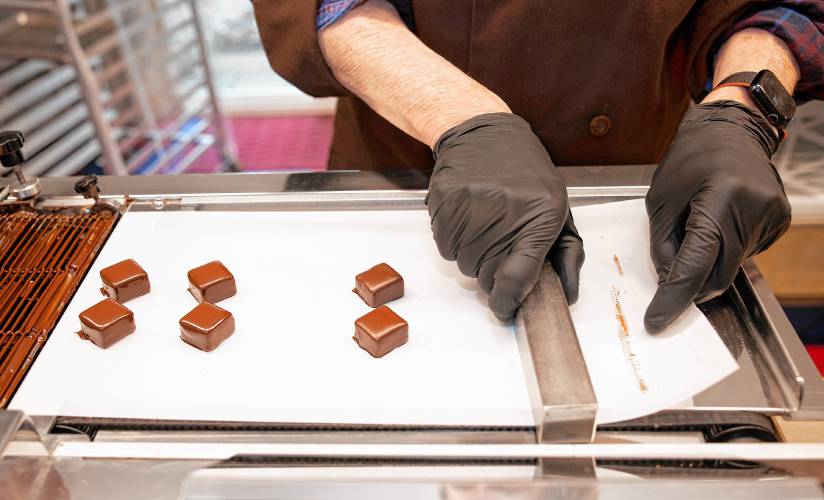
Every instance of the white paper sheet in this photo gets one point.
(634, 373)
(292, 358)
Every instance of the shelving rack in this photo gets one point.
(125, 81)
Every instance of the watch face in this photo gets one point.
(776, 103)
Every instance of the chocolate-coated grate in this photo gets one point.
(43, 257)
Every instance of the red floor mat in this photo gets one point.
(817, 353)
(276, 143)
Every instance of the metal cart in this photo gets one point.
(128, 81)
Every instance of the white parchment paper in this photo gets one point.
(635, 373)
(292, 358)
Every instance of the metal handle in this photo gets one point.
(563, 399)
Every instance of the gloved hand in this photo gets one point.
(715, 200)
(499, 207)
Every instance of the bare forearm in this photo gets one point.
(374, 55)
(752, 50)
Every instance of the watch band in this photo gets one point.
(742, 79)
(745, 79)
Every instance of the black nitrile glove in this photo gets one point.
(498, 206)
(715, 201)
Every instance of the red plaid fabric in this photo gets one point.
(332, 10)
(800, 23)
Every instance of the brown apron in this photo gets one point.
(600, 81)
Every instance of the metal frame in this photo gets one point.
(565, 411)
(259, 463)
(91, 91)
(113, 77)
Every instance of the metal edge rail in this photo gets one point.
(222, 451)
(262, 200)
(563, 399)
(10, 423)
(799, 380)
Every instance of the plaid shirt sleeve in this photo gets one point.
(800, 23)
(330, 11)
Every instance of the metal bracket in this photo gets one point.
(558, 382)
(800, 384)
(10, 422)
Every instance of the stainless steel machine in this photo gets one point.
(725, 443)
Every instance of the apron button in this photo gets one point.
(600, 125)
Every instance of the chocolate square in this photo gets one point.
(380, 331)
(106, 323)
(379, 285)
(211, 282)
(124, 281)
(206, 326)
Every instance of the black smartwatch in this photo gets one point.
(769, 95)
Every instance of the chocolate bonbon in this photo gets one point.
(379, 285)
(124, 281)
(380, 331)
(206, 326)
(106, 323)
(211, 282)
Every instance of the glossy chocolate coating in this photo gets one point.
(105, 323)
(206, 326)
(211, 282)
(379, 285)
(124, 281)
(381, 331)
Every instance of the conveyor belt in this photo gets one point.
(135, 424)
(715, 427)
(43, 258)
(91, 426)
(645, 468)
(720, 426)
(264, 461)
(703, 469)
